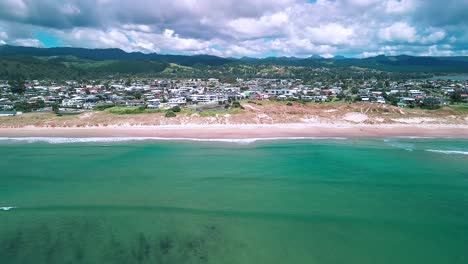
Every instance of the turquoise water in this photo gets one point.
(302, 201)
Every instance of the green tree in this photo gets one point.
(430, 103)
(392, 99)
(138, 95)
(22, 106)
(236, 105)
(55, 108)
(176, 109)
(387, 84)
(17, 86)
(455, 97)
(170, 114)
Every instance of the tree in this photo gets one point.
(430, 103)
(55, 108)
(340, 96)
(455, 97)
(392, 99)
(176, 109)
(236, 105)
(17, 86)
(170, 114)
(138, 95)
(22, 106)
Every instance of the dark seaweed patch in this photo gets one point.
(91, 242)
(165, 245)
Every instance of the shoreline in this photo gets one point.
(246, 131)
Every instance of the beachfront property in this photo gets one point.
(168, 93)
(9, 113)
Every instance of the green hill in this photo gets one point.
(73, 63)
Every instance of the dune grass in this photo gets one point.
(129, 110)
(463, 108)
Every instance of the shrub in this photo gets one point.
(289, 104)
(236, 105)
(126, 110)
(170, 114)
(176, 109)
(102, 107)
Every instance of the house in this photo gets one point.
(261, 97)
(464, 98)
(154, 103)
(177, 101)
(278, 92)
(10, 113)
(5, 104)
(208, 98)
(73, 102)
(130, 103)
(380, 100)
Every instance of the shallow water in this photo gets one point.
(295, 201)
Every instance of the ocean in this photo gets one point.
(398, 200)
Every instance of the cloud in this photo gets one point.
(399, 32)
(243, 27)
(28, 42)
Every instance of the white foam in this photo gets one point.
(7, 208)
(414, 137)
(65, 140)
(459, 152)
(400, 145)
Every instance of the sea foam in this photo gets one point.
(65, 140)
(7, 208)
(459, 152)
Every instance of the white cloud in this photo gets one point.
(28, 42)
(242, 27)
(400, 7)
(332, 33)
(265, 26)
(3, 35)
(399, 32)
(434, 37)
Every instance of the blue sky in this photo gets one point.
(236, 28)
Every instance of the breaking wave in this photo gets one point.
(400, 145)
(459, 152)
(65, 140)
(6, 208)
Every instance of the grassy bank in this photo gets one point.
(130, 110)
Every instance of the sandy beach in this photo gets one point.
(259, 120)
(245, 131)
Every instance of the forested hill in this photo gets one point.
(29, 62)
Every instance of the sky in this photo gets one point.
(237, 28)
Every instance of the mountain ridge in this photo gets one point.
(85, 62)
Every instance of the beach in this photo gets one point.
(245, 131)
(257, 120)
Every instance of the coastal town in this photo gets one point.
(171, 95)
